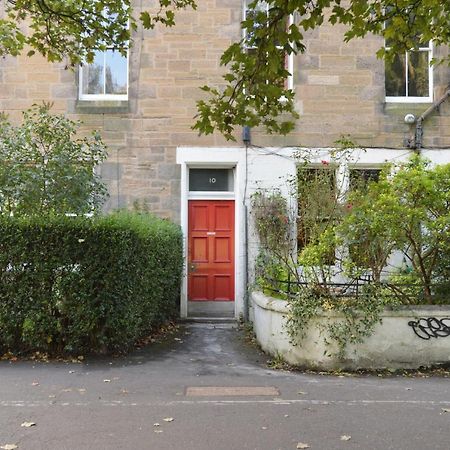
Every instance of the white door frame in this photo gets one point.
(213, 158)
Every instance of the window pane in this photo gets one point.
(93, 75)
(396, 76)
(211, 180)
(317, 205)
(116, 73)
(418, 85)
(360, 178)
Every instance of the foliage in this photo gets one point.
(71, 285)
(407, 211)
(47, 170)
(345, 320)
(351, 239)
(255, 92)
(76, 29)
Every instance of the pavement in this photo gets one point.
(205, 387)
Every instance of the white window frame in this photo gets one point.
(290, 56)
(104, 96)
(411, 99)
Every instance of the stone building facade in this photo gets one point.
(340, 90)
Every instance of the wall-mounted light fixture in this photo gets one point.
(410, 119)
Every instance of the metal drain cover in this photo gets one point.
(231, 391)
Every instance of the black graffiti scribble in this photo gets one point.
(431, 327)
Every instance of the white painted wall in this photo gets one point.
(392, 345)
(268, 168)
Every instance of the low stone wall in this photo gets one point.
(400, 341)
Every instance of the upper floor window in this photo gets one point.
(409, 76)
(106, 78)
(251, 47)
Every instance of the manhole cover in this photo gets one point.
(230, 391)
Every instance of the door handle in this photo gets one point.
(192, 267)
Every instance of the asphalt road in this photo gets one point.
(116, 403)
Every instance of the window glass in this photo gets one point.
(251, 42)
(211, 180)
(418, 74)
(116, 73)
(360, 178)
(106, 76)
(316, 204)
(93, 75)
(408, 75)
(396, 76)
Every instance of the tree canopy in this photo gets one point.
(255, 92)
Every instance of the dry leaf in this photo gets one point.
(28, 424)
(156, 424)
(9, 447)
(345, 437)
(168, 419)
(301, 393)
(157, 431)
(71, 371)
(446, 410)
(263, 428)
(35, 383)
(106, 381)
(302, 445)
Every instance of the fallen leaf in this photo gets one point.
(301, 393)
(302, 445)
(52, 396)
(168, 419)
(446, 410)
(35, 383)
(106, 381)
(263, 428)
(177, 339)
(82, 390)
(286, 415)
(156, 424)
(157, 431)
(345, 437)
(28, 424)
(9, 447)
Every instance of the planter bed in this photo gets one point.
(400, 341)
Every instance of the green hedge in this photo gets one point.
(75, 285)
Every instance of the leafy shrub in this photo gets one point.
(46, 169)
(76, 285)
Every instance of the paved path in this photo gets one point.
(114, 403)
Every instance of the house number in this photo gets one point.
(212, 180)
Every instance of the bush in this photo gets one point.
(74, 285)
(46, 169)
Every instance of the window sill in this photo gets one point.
(409, 100)
(102, 106)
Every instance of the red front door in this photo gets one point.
(211, 250)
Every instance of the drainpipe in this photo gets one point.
(247, 139)
(423, 116)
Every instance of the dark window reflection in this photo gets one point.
(418, 74)
(395, 78)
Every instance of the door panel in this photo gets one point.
(211, 250)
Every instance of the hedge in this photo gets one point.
(76, 286)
